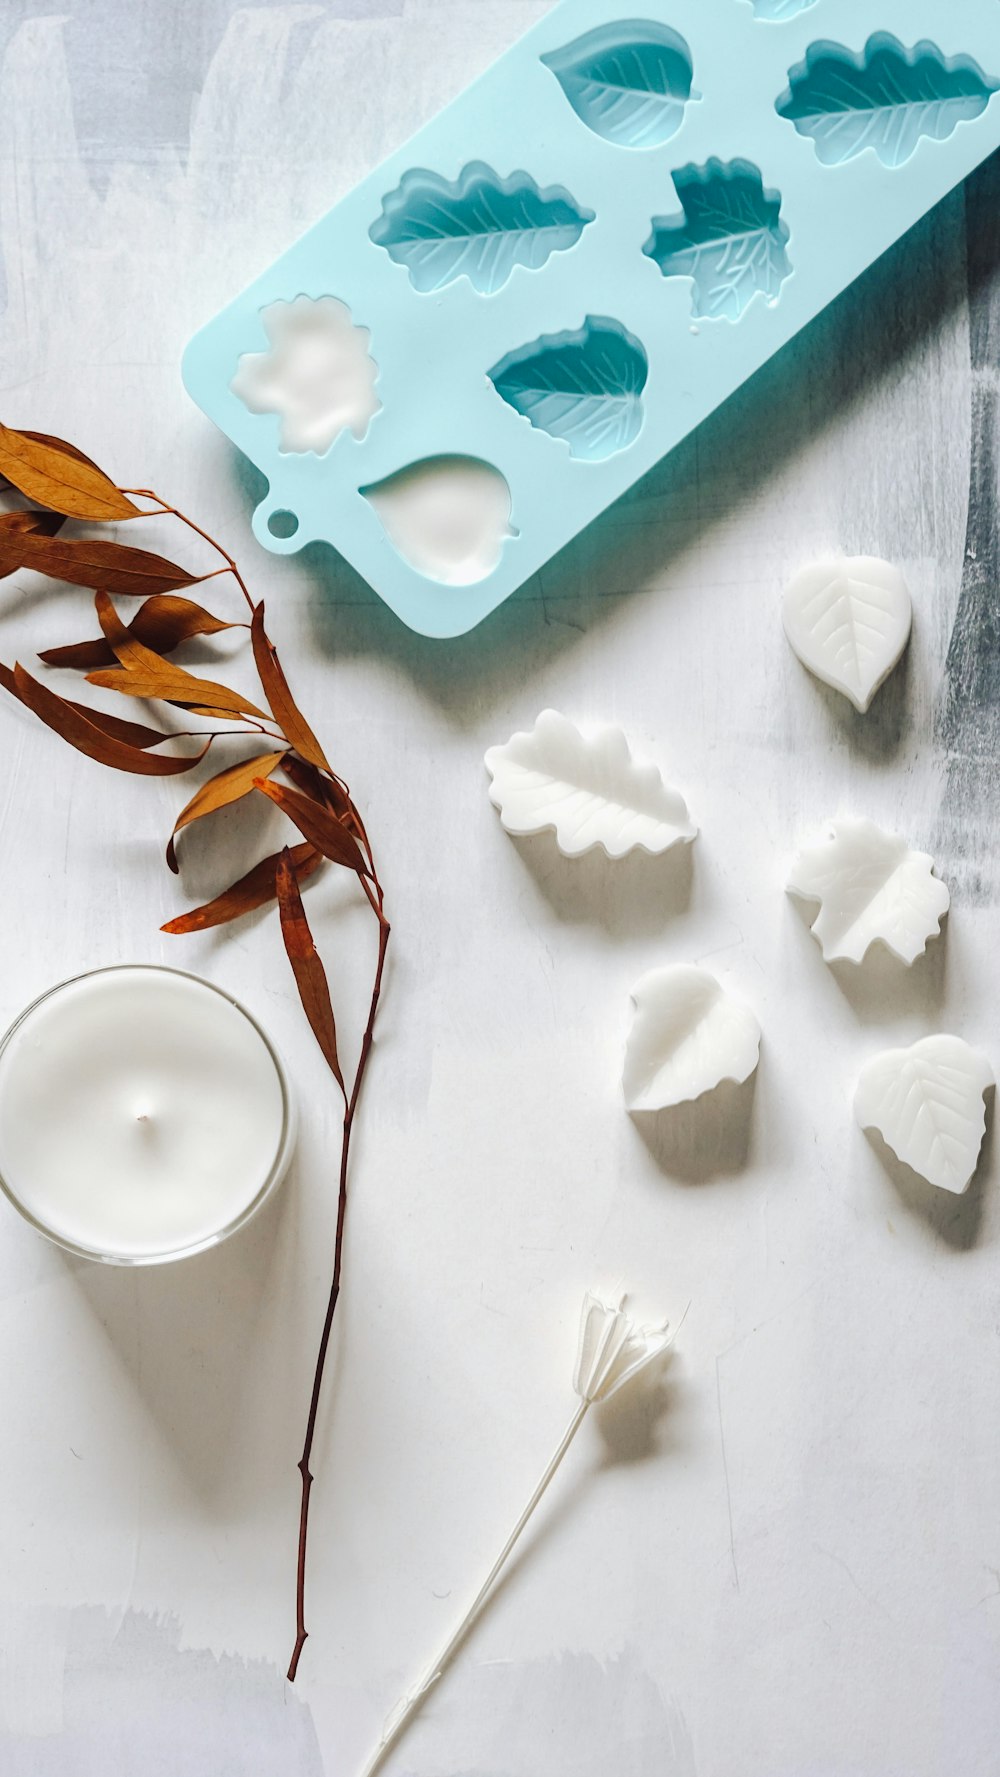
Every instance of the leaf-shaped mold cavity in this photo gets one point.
(478, 227)
(317, 374)
(587, 788)
(777, 11)
(884, 98)
(927, 1103)
(448, 516)
(871, 889)
(731, 241)
(584, 387)
(628, 82)
(687, 1036)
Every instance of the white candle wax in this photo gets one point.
(143, 1114)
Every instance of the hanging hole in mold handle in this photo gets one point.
(449, 517)
(277, 527)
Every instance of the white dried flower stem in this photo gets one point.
(407, 1707)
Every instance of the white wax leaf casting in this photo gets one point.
(872, 889)
(849, 621)
(927, 1103)
(318, 374)
(687, 1036)
(448, 516)
(587, 788)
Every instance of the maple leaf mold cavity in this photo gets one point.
(730, 238)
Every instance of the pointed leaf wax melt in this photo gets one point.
(687, 1036)
(849, 621)
(927, 1103)
(588, 789)
(871, 889)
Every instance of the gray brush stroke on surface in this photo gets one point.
(969, 719)
(135, 1703)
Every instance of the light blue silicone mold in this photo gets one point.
(592, 247)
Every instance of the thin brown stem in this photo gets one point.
(301, 1632)
(147, 493)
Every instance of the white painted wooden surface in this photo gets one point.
(785, 1563)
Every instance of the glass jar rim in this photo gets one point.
(272, 1179)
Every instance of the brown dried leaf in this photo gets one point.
(168, 687)
(78, 726)
(144, 674)
(284, 709)
(307, 966)
(220, 791)
(161, 624)
(107, 567)
(253, 890)
(14, 528)
(15, 524)
(329, 789)
(319, 826)
(59, 476)
(134, 734)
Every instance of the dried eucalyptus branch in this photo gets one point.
(131, 660)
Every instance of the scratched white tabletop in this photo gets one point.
(784, 1561)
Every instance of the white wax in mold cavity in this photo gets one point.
(449, 517)
(141, 1113)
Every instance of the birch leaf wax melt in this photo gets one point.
(927, 1103)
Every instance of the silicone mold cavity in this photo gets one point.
(317, 374)
(731, 242)
(884, 99)
(584, 388)
(478, 227)
(777, 11)
(627, 82)
(448, 516)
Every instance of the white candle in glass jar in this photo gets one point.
(143, 1115)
